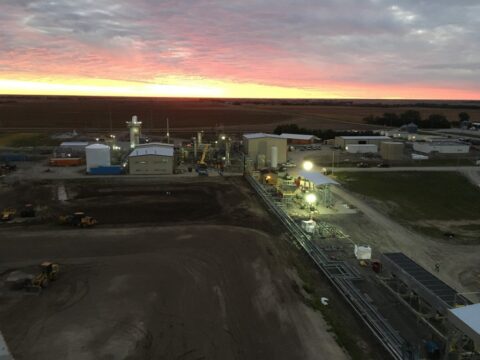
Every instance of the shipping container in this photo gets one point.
(14, 157)
(65, 161)
(106, 170)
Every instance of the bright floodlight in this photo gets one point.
(223, 137)
(308, 165)
(310, 198)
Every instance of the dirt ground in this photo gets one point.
(82, 113)
(200, 273)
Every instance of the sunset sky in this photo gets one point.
(428, 49)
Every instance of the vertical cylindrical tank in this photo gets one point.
(260, 161)
(97, 155)
(274, 157)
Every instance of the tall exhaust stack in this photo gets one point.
(135, 129)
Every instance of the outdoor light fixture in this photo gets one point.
(310, 198)
(308, 165)
(223, 137)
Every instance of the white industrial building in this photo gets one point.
(151, 159)
(299, 139)
(265, 150)
(97, 155)
(441, 147)
(344, 141)
(361, 148)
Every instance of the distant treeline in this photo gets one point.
(322, 134)
(472, 105)
(433, 121)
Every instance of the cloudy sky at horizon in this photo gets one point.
(268, 48)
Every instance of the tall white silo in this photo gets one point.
(97, 155)
(274, 157)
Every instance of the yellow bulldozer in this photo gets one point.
(48, 272)
(78, 219)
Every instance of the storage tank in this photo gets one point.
(97, 155)
(274, 157)
(261, 161)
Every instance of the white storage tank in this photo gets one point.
(261, 161)
(274, 157)
(97, 155)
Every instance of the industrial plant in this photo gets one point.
(181, 205)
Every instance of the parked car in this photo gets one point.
(289, 164)
(362, 165)
(383, 165)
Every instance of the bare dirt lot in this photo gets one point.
(208, 278)
(87, 113)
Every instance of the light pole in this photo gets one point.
(307, 165)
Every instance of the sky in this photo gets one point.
(409, 49)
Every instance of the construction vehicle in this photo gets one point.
(27, 211)
(78, 219)
(8, 214)
(48, 272)
(202, 167)
(19, 280)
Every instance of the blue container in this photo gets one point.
(13, 157)
(106, 170)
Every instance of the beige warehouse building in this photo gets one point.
(152, 159)
(392, 150)
(265, 150)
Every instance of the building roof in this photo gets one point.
(152, 150)
(443, 143)
(74, 143)
(97, 146)
(467, 320)
(406, 267)
(369, 137)
(317, 178)
(261, 135)
(299, 137)
(154, 144)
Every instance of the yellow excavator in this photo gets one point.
(202, 168)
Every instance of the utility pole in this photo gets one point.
(168, 132)
(333, 161)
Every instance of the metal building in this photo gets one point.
(442, 147)
(392, 150)
(71, 149)
(261, 148)
(361, 148)
(343, 141)
(300, 139)
(151, 159)
(97, 155)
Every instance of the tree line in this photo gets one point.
(433, 121)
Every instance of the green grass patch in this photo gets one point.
(27, 139)
(419, 195)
